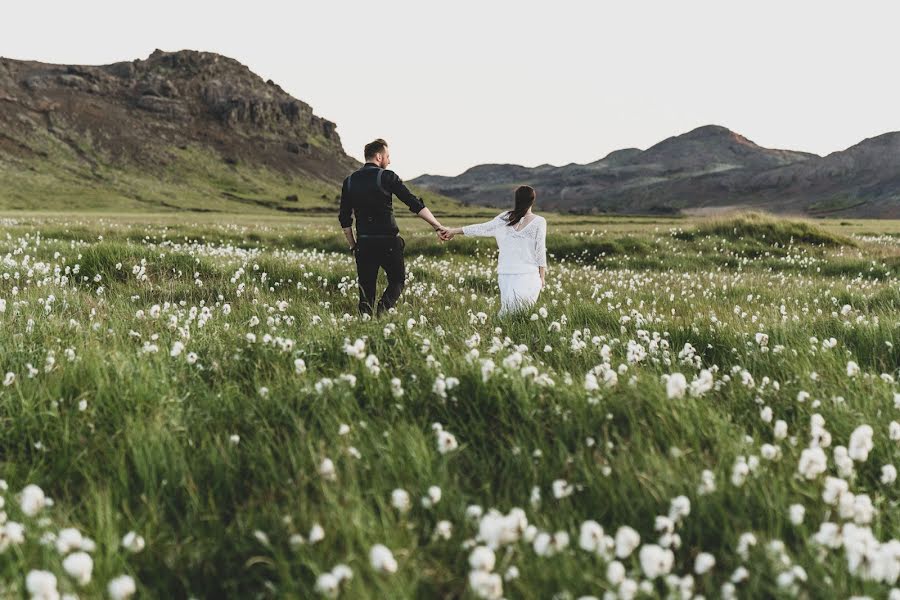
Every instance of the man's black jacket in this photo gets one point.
(367, 193)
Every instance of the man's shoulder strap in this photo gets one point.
(378, 182)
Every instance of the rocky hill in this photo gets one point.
(180, 130)
(705, 170)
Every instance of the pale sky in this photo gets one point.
(454, 84)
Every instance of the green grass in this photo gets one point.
(150, 449)
(61, 176)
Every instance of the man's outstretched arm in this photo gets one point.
(399, 189)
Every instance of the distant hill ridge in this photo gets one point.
(706, 170)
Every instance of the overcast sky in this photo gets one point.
(455, 84)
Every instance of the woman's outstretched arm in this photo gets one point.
(540, 249)
(486, 229)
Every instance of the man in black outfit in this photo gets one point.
(367, 193)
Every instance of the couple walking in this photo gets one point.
(367, 194)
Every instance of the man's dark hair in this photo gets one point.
(373, 148)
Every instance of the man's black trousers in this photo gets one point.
(376, 252)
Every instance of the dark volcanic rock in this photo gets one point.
(132, 111)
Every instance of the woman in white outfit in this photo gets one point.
(522, 238)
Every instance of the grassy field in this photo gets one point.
(694, 408)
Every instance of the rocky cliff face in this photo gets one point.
(706, 169)
(139, 113)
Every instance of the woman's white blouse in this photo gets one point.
(520, 251)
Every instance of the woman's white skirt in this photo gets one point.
(518, 290)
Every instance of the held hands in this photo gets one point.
(444, 233)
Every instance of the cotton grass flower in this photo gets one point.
(704, 563)
(381, 559)
(33, 500)
(133, 542)
(41, 585)
(813, 463)
(400, 500)
(79, 566)
(327, 470)
(888, 474)
(627, 539)
(121, 587)
(676, 385)
(655, 561)
(446, 442)
(861, 443)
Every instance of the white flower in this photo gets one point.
(852, 369)
(382, 559)
(780, 430)
(739, 471)
(342, 572)
(400, 500)
(740, 574)
(744, 542)
(482, 558)
(11, 533)
(615, 572)
(797, 511)
(326, 470)
(316, 533)
(33, 500)
(357, 349)
(68, 539)
(79, 566)
(627, 539)
(655, 561)
(133, 542)
(433, 497)
(327, 585)
(676, 385)
(704, 562)
(707, 483)
(446, 441)
(769, 452)
(41, 585)
(833, 490)
(861, 443)
(562, 489)
(121, 587)
(813, 463)
(299, 366)
(590, 536)
(829, 535)
(679, 508)
(177, 348)
(8, 381)
(546, 544)
(443, 530)
(843, 461)
(888, 474)
(486, 585)
(496, 529)
(894, 428)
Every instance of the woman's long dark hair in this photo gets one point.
(524, 200)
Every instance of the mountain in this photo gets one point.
(707, 169)
(183, 130)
